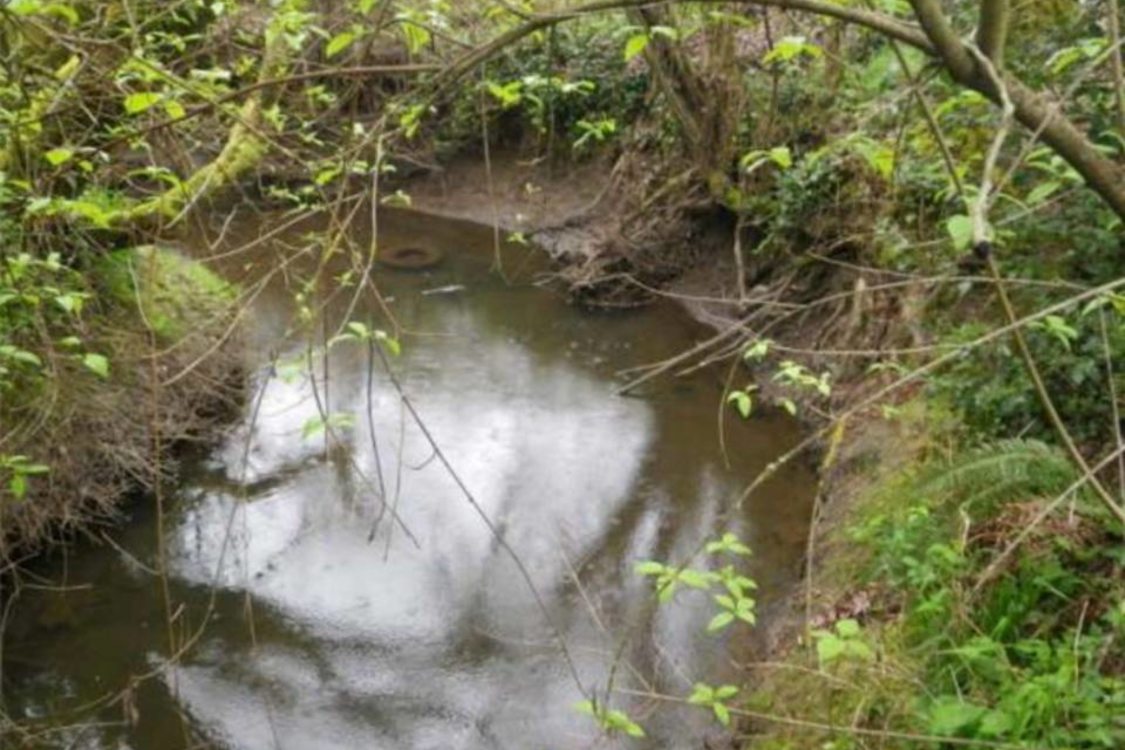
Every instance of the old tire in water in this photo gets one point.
(411, 257)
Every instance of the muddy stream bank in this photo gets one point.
(329, 630)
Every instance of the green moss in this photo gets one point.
(244, 149)
(175, 293)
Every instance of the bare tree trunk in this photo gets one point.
(243, 149)
(707, 100)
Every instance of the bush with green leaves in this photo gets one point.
(994, 395)
(1024, 654)
(42, 331)
(729, 589)
(550, 91)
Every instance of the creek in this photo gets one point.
(329, 630)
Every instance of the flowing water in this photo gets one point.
(338, 623)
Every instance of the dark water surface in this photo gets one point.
(426, 635)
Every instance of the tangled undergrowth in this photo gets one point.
(141, 352)
(906, 219)
(987, 608)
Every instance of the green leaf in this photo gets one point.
(649, 568)
(63, 11)
(71, 302)
(66, 70)
(728, 543)
(417, 37)
(586, 707)
(758, 350)
(881, 159)
(1057, 326)
(848, 628)
(97, 364)
(57, 156)
(996, 724)
(960, 229)
(326, 175)
(950, 717)
(633, 729)
(701, 694)
(720, 621)
(742, 402)
(20, 355)
(635, 45)
(620, 722)
(316, 425)
(313, 426)
(390, 343)
(790, 48)
(88, 210)
(37, 7)
(339, 43)
(781, 156)
(829, 648)
(359, 329)
(738, 585)
(611, 721)
(397, 198)
(18, 486)
(140, 101)
(722, 713)
(860, 650)
(174, 109)
(1043, 191)
(508, 94)
(696, 579)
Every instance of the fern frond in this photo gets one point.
(1008, 470)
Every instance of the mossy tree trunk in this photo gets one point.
(244, 148)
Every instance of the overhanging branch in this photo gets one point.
(879, 22)
(936, 37)
(1032, 109)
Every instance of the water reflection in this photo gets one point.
(424, 634)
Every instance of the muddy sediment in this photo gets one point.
(577, 212)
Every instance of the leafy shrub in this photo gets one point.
(994, 395)
(1024, 658)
